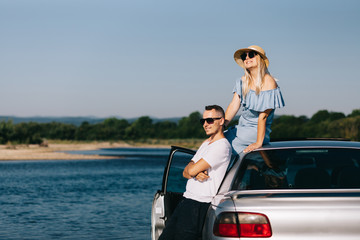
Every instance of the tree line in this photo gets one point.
(323, 124)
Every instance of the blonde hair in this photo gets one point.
(259, 82)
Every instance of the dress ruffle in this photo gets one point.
(238, 88)
(270, 99)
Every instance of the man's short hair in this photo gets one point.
(217, 108)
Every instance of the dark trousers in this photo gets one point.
(186, 222)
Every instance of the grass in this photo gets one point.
(192, 143)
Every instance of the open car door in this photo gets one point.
(173, 187)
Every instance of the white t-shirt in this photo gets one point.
(217, 155)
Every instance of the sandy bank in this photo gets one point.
(54, 151)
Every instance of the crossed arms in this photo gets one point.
(197, 170)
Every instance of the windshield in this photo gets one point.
(313, 168)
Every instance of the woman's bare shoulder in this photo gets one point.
(269, 83)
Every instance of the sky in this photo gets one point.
(169, 58)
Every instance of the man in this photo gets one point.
(205, 173)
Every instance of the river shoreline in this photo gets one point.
(57, 151)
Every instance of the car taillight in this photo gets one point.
(242, 224)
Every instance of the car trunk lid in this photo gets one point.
(300, 214)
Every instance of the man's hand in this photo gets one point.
(202, 176)
(193, 169)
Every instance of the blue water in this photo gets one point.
(81, 199)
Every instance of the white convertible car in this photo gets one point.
(284, 190)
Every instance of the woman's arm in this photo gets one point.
(232, 109)
(261, 127)
(269, 84)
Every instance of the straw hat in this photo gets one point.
(255, 48)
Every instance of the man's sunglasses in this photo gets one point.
(251, 54)
(208, 120)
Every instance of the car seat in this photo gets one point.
(312, 178)
(349, 177)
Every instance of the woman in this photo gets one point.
(257, 94)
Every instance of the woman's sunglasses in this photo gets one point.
(208, 120)
(251, 54)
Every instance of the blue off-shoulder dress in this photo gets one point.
(245, 133)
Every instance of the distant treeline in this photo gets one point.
(323, 124)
